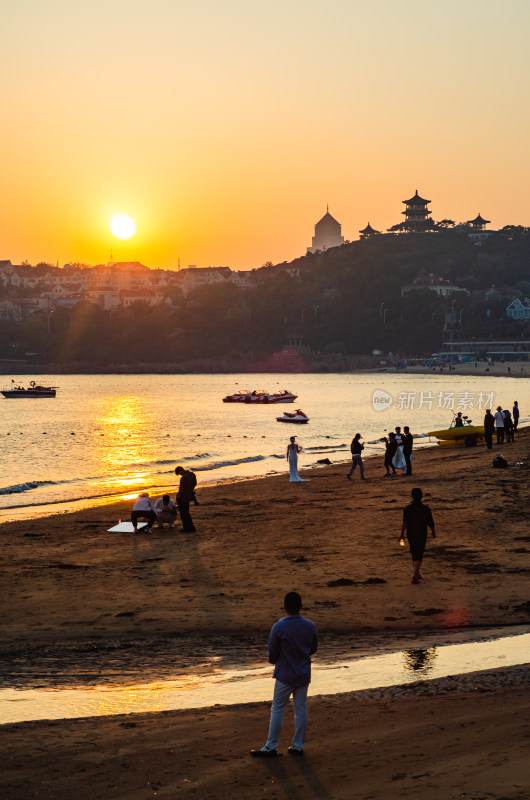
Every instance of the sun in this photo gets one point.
(122, 226)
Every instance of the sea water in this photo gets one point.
(216, 685)
(111, 436)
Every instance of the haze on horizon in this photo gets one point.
(224, 128)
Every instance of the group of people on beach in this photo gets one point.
(293, 640)
(503, 424)
(398, 453)
(165, 509)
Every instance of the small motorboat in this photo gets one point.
(237, 397)
(33, 390)
(260, 396)
(297, 417)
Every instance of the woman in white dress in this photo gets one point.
(293, 448)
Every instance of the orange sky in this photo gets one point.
(225, 126)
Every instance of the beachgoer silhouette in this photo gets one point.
(292, 642)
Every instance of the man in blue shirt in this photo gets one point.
(292, 642)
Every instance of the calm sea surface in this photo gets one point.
(110, 436)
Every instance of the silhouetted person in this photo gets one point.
(499, 425)
(390, 452)
(515, 414)
(417, 518)
(459, 422)
(489, 428)
(508, 426)
(356, 457)
(292, 642)
(407, 448)
(143, 508)
(185, 495)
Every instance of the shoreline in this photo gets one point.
(79, 601)
(120, 586)
(450, 739)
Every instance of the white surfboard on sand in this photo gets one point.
(126, 527)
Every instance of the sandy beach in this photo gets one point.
(81, 604)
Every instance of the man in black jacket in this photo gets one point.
(407, 448)
(417, 517)
(185, 495)
(489, 428)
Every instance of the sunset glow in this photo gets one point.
(229, 145)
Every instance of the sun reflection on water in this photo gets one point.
(122, 424)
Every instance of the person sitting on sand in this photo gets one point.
(143, 508)
(417, 518)
(166, 511)
(292, 642)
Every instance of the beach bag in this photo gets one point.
(499, 462)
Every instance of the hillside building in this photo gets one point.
(368, 231)
(417, 214)
(327, 234)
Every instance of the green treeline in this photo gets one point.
(344, 301)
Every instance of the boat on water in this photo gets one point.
(466, 434)
(33, 390)
(260, 396)
(298, 417)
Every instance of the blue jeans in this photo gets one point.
(282, 692)
(356, 459)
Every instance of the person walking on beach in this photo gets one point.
(499, 425)
(390, 452)
(515, 415)
(407, 449)
(489, 428)
(291, 455)
(356, 458)
(143, 508)
(185, 495)
(417, 518)
(292, 642)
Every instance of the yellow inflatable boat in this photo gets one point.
(468, 435)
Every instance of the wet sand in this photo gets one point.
(71, 589)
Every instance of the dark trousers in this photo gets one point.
(184, 511)
(500, 435)
(388, 464)
(406, 456)
(488, 435)
(150, 516)
(515, 423)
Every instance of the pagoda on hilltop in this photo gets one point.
(417, 214)
(479, 223)
(368, 231)
(327, 234)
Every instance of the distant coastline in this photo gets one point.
(330, 364)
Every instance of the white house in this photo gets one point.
(442, 287)
(519, 309)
